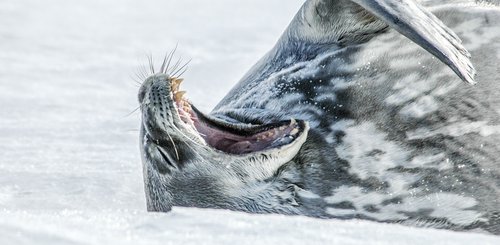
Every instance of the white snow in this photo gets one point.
(70, 171)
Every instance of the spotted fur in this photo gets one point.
(411, 143)
(395, 136)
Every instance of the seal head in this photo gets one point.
(188, 154)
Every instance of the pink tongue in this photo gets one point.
(238, 144)
(232, 143)
(241, 147)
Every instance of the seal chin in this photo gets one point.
(168, 114)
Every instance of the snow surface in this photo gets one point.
(70, 171)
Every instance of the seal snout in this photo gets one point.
(168, 116)
(163, 108)
(160, 93)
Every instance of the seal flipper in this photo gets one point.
(425, 29)
(347, 22)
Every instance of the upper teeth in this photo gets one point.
(175, 83)
(179, 95)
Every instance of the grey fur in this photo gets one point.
(394, 136)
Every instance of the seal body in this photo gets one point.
(386, 130)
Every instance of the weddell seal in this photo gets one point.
(355, 113)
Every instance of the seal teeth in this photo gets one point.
(179, 95)
(176, 83)
(179, 80)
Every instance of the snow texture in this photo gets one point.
(70, 170)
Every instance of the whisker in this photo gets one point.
(140, 71)
(151, 65)
(132, 112)
(146, 70)
(192, 140)
(182, 73)
(164, 63)
(171, 55)
(132, 130)
(135, 82)
(193, 150)
(201, 133)
(190, 147)
(175, 148)
(139, 75)
(181, 68)
(176, 65)
(143, 72)
(137, 79)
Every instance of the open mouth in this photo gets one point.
(234, 138)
